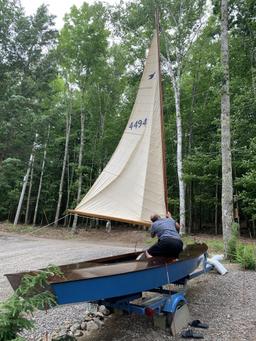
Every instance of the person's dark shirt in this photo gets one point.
(164, 228)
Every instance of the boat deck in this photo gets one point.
(108, 266)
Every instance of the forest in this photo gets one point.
(66, 96)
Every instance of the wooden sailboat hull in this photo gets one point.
(117, 276)
(100, 288)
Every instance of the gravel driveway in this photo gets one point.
(227, 303)
(18, 253)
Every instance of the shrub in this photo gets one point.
(233, 242)
(246, 256)
(215, 245)
(25, 299)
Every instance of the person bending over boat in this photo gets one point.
(169, 241)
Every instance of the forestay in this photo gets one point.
(132, 185)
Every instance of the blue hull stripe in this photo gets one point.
(99, 288)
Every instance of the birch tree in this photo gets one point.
(41, 177)
(186, 23)
(29, 191)
(25, 182)
(80, 159)
(68, 126)
(227, 184)
(84, 42)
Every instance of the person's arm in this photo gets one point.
(177, 225)
(152, 231)
(168, 215)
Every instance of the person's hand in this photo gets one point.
(181, 229)
(168, 215)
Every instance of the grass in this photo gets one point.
(38, 231)
(214, 245)
(19, 228)
(246, 256)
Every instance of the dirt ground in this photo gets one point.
(122, 235)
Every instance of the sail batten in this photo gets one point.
(132, 185)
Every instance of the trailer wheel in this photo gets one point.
(170, 318)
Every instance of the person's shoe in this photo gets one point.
(190, 334)
(199, 324)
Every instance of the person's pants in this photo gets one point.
(166, 247)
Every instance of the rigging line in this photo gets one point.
(167, 274)
(42, 227)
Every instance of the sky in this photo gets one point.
(57, 7)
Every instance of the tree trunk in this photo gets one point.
(25, 181)
(66, 220)
(227, 185)
(190, 140)
(68, 125)
(80, 159)
(216, 208)
(175, 78)
(101, 133)
(70, 177)
(29, 189)
(41, 177)
(253, 65)
(176, 88)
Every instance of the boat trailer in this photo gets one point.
(154, 288)
(167, 308)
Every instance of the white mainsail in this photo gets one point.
(132, 185)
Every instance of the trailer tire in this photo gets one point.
(170, 317)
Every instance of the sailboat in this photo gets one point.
(131, 187)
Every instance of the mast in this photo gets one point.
(161, 113)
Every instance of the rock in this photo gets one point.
(59, 335)
(65, 337)
(104, 310)
(75, 327)
(93, 308)
(98, 322)
(100, 315)
(54, 334)
(67, 324)
(78, 333)
(88, 318)
(91, 325)
(83, 325)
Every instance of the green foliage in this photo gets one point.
(10, 174)
(233, 242)
(247, 182)
(215, 245)
(45, 75)
(246, 256)
(29, 296)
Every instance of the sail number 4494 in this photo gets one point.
(137, 124)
